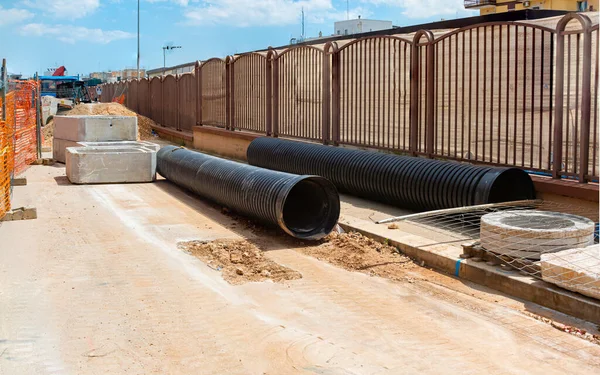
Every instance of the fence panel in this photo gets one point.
(25, 121)
(594, 125)
(299, 93)
(144, 97)
(156, 102)
(170, 102)
(131, 98)
(375, 92)
(494, 95)
(187, 101)
(6, 152)
(249, 93)
(213, 85)
(574, 93)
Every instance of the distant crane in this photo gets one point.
(59, 72)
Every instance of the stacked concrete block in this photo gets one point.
(103, 149)
(111, 164)
(70, 130)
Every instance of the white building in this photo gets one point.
(360, 25)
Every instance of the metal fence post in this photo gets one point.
(414, 94)
(177, 84)
(269, 93)
(198, 73)
(4, 83)
(584, 140)
(162, 101)
(586, 101)
(335, 94)
(229, 97)
(431, 95)
(38, 117)
(275, 61)
(326, 105)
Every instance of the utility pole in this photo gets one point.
(4, 83)
(303, 24)
(165, 49)
(347, 9)
(138, 40)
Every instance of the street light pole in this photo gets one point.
(138, 40)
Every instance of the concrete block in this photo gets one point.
(59, 146)
(95, 128)
(577, 270)
(146, 144)
(108, 164)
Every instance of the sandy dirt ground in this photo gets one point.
(99, 285)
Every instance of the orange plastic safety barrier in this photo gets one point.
(18, 136)
(25, 136)
(6, 153)
(119, 99)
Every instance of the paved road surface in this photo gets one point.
(96, 285)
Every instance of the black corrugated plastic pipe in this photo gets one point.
(404, 181)
(305, 207)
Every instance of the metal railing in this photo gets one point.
(500, 93)
(470, 4)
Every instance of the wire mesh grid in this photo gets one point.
(553, 241)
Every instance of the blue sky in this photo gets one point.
(100, 35)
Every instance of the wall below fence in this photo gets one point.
(221, 142)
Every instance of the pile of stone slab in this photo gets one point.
(103, 149)
(574, 269)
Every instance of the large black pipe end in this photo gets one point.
(504, 185)
(310, 208)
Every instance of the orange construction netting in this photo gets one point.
(18, 136)
(25, 135)
(6, 153)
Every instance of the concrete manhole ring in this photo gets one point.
(529, 233)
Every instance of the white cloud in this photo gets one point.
(426, 8)
(65, 8)
(75, 33)
(183, 3)
(13, 15)
(243, 13)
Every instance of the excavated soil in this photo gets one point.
(351, 251)
(109, 109)
(355, 252)
(239, 261)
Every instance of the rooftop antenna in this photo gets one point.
(347, 9)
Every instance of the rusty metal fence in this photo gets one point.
(500, 93)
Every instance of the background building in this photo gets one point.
(360, 25)
(117, 75)
(500, 6)
(177, 69)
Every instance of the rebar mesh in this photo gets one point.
(556, 242)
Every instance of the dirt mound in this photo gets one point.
(239, 261)
(108, 109)
(355, 252)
